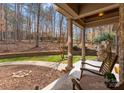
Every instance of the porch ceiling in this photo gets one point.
(87, 15)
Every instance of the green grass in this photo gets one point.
(34, 58)
(52, 58)
(91, 57)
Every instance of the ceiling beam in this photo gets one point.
(74, 6)
(79, 23)
(66, 9)
(95, 11)
(62, 11)
(106, 21)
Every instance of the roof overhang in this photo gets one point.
(86, 15)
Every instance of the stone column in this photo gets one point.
(70, 45)
(121, 42)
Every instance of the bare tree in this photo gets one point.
(38, 17)
(60, 27)
(2, 12)
(29, 21)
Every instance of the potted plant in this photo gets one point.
(110, 80)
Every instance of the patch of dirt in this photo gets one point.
(25, 46)
(39, 76)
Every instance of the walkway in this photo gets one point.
(53, 65)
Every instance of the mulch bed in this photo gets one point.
(38, 76)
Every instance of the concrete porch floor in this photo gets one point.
(64, 83)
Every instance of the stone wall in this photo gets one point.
(121, 41)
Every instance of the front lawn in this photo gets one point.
(52, 58)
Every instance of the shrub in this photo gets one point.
(104, 37)
(76, 48)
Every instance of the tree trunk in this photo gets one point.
(6, 27)
(17, 21)
(2, 21)
(93, 35)
(29, 25)
(60, 27)
(37, 34)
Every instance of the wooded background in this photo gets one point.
(24, 27)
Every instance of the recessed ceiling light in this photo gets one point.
(101, 14)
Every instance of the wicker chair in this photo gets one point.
(95, 81)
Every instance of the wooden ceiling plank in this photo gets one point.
(110, 7)
(106, 21)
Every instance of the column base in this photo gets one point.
(68, 68)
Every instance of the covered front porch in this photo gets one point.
(91, 15)
(65, 83)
